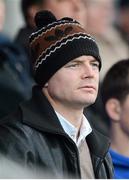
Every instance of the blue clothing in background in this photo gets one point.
(121, 165)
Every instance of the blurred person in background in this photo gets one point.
(2, 14)
(71, 8)
(15, 81)
(100, 18)
(50, 131)
(115, 96)
(122, 19)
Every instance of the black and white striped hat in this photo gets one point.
(56, 42)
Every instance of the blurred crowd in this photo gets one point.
(106, 20)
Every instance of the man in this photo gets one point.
(50, 132)
(115, 95)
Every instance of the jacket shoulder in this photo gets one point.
(15, 137)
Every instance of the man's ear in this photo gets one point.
(113, 109)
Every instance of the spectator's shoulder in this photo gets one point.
(15, 137)
(12, 129)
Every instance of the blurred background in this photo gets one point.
(13, 19)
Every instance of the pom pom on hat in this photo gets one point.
(43, 18)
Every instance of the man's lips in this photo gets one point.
(88, 87)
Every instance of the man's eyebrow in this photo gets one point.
(77, 60)
(95, 60)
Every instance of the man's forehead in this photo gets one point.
(85, 57)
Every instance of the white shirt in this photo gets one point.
(85, 129)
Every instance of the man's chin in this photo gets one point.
(90, 102)
(85, 104)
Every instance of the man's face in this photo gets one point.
(75, 84)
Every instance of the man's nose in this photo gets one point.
(87, 71)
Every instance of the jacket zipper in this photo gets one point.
(78, 162)
(98, 167)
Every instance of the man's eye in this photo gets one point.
(95, 64)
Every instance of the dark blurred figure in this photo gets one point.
(122, 19)
(61, 8)
(115, 96)
(15, 82)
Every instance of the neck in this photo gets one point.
(72, 115)
(119, 140)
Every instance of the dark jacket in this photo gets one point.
(34, 137)
(22, 39)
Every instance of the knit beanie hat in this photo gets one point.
(56, 42)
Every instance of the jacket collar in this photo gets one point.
(98, 143)
(39, 114)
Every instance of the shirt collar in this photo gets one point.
(85, 129)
